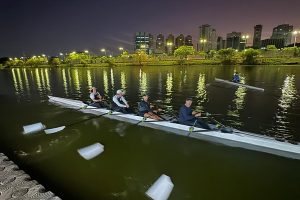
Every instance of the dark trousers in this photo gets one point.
(199, 123)
(122, 110)
(99, 104)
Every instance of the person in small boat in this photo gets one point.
(236, 78)
(189, 117)
(119, 103)
(146, 110)
(97, 99)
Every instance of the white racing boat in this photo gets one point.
(236, 138)
(239, 84)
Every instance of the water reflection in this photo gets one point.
(15, 82)
(75, 78)
(201, 92)
(143, 82)
(26, 80)
(288, 96)
(65, 83)
(123, 81)
(47, 83)
(239, 102)
(89, 78)
(112, 79)
(169, 91)
(38, 80)
(105, 82)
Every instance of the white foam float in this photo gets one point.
(33, 128)
(54, 130)
(91, 151)
(161, 189)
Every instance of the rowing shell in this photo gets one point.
(240, 139)
(239, 84)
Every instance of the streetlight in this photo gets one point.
(121, 48)
(245, 37)
(103, 51)
(203, 41)
(61, 54)
(295, 33)
(86, 51)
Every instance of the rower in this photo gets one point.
(189, 117)
(236, 78)
(119, 103)
(97, 99)
(146, 110)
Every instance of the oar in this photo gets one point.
(60, 128)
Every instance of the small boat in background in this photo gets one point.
(239, 84)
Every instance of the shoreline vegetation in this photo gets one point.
(184, 55)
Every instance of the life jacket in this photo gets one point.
(114, 105)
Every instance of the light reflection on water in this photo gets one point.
(123, 81)
(285, 102)
(73, 82)
(76, 81)
(239, 102)
(143, 82)
(201, 92)
(169, 92)
(65, 83)
(105, 82)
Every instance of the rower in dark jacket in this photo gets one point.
(236, 78)
(145, 109)
(189, 117)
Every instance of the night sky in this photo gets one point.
(51, 26)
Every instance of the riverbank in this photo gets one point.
(15, 183)
(189, 62)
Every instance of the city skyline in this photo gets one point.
(53, 26)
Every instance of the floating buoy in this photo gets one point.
(161, 189)
(91, 151)
(33, 128)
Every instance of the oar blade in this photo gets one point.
(54, 130)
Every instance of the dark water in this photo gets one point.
(134, 156)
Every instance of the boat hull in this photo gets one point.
(239, 84)
(240, 139)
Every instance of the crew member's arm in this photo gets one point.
(115, 100)
(196, 114)
(124, 100)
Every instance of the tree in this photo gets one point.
(212, 54)
(140, 57)
(292, 51)
(183, 51)
(202, 54)
(36, 60)
(78, 58)
(250, 56)
(54, 61)
(228, 56)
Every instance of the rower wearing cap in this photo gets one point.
(96, 98)
(145, 109)
(189, 117)
(119, 103)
